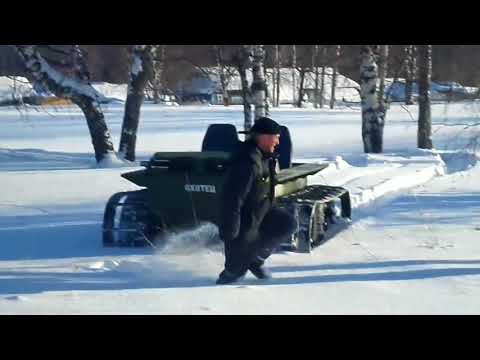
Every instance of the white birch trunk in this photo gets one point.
(80, 92)
(259, 86)
(334, 76)
(424, 111)
(410, 72)
(372, 121)
(141, 72)
(160, 52)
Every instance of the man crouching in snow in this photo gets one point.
(250, 225)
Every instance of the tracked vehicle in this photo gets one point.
(182, 189)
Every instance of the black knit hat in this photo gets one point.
(265, 126)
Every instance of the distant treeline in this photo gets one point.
(110, 63)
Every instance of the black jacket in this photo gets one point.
(248, 193)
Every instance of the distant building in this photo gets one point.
(204, 87)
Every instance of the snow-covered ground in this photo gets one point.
(411, 249)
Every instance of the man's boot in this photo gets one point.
(257, 269)
(226, 277)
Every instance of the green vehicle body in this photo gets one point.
(184, 188)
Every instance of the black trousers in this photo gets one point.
(277, 226)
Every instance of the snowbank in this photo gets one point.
(14, 87)
(111, 92)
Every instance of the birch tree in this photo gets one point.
(159, 64)
(301, 87)
(372, 118)
(424, 111)
(274, 76)
(76, 88)
(410, 72)
(382, 74)
(80, 68)
(278, 75)
(315, 57)
(259, 85)
(294, 69)
(244, 59)
(140, 73)
(219, 59)
(336, 58)
(322, 83)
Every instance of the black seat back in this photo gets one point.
(224, 137)
(285, 149)
(221, 137)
